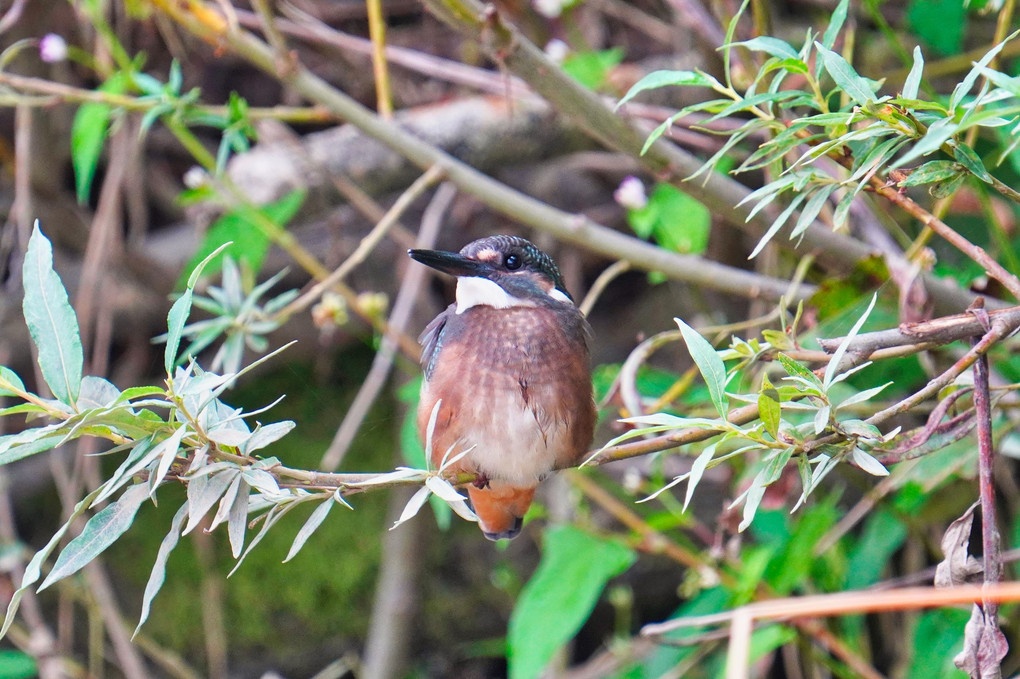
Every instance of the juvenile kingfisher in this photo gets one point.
(509, 361)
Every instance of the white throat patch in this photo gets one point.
(473, 290)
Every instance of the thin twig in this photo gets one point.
(607, 276)
(990, 540)
(403, 306)
(367, 244)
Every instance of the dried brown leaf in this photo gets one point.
(984, 645)
(958, 566)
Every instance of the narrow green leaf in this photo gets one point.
(771, 46)
(179, 313)
(88, 133)
(712, 368)
(203, 492)
(752, 499)
(657, 79)
(868, 463)
(270, 520)
(10, 380)
(51, 320)
(963, 89)
(33, 570)
(913, 81)
(845, 77)
(697, 471)
(972, 162)
(21, 451)
(811, 209)
(237, 520)
(835, 24)
(99, 533)
(783, 217)
(158, 574)
(776, 464)
(837, 356)
(559, 597)
(769, 409)
(315, 520)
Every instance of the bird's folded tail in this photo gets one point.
(501, 509)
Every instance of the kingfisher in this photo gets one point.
(508, 363)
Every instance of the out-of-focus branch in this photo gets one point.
(721, 194)
(573, 228)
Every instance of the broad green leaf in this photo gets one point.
(940, 23)
(882, 536)
(559, 597)
(712, 368)
(845, 77)
(51, 320)
(657, 79)
(16, 664)
(972, 162)
(913, 81)
(937, 637)
(933, 171)
(315, 520)
(158, 574)
(100, 532)
(96, 392)
(88, 132)
(768, 407)
(591, 68)
(235, 235)
(180, 311)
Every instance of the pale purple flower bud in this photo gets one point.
(550, 9)
(631, 194)
(195, 177)
(52, 48)
(557, 50)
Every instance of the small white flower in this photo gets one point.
(631, 193)
(550, 9)
(195, 177)
(52, 48)
(557, 50)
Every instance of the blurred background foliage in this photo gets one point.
(141, 148)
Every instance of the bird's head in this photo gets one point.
(499, 271)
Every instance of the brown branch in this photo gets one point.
(937, 331)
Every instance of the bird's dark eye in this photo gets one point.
(512, 262)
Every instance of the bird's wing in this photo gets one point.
(431, 340)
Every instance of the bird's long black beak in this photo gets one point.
(452, 263)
